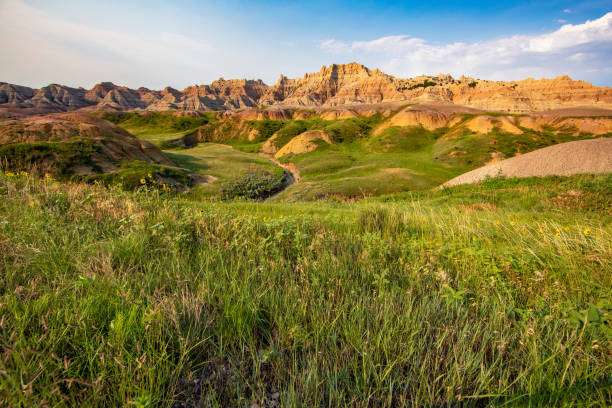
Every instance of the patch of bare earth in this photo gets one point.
(592, 156)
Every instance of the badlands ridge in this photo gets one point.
(333, 86)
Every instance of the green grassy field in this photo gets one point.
(157, 127)
(353, 170)
(361, 162)
(220, 161)
(488, 295)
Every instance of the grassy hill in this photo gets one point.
(368, 156)
(483, 295)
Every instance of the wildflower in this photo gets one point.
(541, 230)
(201, 211)
(9, 174)
(512, 223)
(558, 234)
(143, 181)
(31, 203)
(474, 238)
(149, 175)
(48, 176)
(23, 173)
(266, 219)
(587, 231)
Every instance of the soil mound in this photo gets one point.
(304, 143)
(87, 143)
(579, 157)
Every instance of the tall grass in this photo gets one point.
(110, 298)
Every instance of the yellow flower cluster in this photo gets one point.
(164, 187)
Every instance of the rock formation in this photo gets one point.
(350, 85)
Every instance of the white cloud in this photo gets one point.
(504, 58)
(561, 21)
(73, 53)
(567, 11)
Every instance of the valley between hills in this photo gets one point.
(347, 238)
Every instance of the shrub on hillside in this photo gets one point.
(253, 186)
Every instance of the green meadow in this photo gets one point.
(488, 295)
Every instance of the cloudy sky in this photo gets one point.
(157, 43)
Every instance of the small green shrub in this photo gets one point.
(253, 186)
(426, 83)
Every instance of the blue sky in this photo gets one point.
(179, 43)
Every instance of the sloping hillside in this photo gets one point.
(83, 146)
(578, 157)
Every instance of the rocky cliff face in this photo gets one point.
(334, 86)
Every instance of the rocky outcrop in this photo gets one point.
(349, 85)
(14, 94)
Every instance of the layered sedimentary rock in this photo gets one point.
(348, 85)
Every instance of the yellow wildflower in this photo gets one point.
(143, 181)
(23, 173)
(512, 223)
(31, 203)
(587, 231)
(558, 233)
(9, 174)
(541, 230)
(149, 175)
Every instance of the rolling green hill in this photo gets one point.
(369, 155)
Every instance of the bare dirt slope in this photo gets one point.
(582, 156)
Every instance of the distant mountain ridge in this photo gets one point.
(335, 85)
